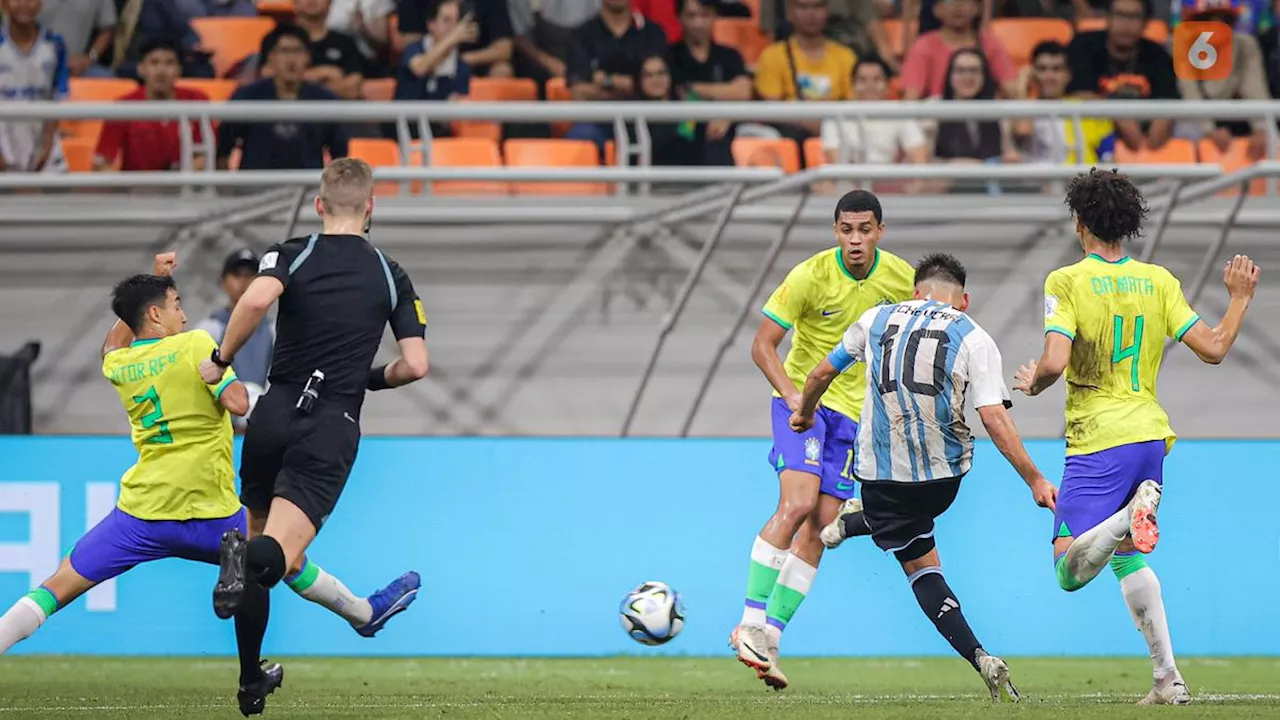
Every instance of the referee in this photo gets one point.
(337, 293)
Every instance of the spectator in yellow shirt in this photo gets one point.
(806, 66)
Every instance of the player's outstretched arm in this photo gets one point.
(1212, 344)
(1005, 435)
(248, 313)
(1040, 375)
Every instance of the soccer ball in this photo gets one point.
(652, 614)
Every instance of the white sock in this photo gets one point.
(1142, 594)
(795, 579)
(766, 562)
(1091, 551)
(16, 625)
(318, 586)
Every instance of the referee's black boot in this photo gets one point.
(228, 594)
(253, 696)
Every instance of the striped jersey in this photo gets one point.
(922, 358)
(39, 73)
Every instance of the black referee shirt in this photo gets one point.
(339, 294)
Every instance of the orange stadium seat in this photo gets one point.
(558, 91)
(552, 154)
(93, 90)
(378, 89)
(1176, 151)
(494, 90)
(79, 153)
(1235, 159)
(276, 9)
(893, 30)
(1021, 35)
(742, 34)
(100, 89)
(217, 90)
(466, 152)
(766, 152)
(814, 156)
(380, 152)
(231, 39)
(1156, 30)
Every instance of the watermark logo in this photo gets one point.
(1202, 50)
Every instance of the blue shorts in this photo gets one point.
(1097, 485)
(825, 450)
(122, 541)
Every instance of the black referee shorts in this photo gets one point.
(901, 515)
(304, 459)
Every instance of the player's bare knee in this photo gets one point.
(920, 555)
(793, 511)
(66, 584)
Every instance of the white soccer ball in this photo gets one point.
(652, 614)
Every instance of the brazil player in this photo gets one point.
(1106, 320)
(179, 498)
(817, 300)
(923, 357)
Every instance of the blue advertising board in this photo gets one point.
(527, 546)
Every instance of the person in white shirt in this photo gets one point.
(368, 21)
(33, 67)
(886, 141)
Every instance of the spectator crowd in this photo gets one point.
(674, 51)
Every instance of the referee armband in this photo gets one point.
(841, 358)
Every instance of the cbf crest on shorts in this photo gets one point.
(812, 451)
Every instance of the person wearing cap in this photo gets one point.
(254, 361)
(1247, 81)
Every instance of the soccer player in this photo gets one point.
(179, 498)
(818, 299)
(1106, 319)
(924, 356)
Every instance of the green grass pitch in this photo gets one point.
(608, 688)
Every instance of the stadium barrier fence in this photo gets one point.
(527, 546)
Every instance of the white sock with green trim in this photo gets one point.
(25, 617)
(318, 586)
(1141, 590)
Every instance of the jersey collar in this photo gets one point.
(1099, 258)
(144, 341)
(849, 274)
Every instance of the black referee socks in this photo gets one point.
(265, 559)
(941, 606)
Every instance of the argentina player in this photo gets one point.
(922, 358)
(33, 66)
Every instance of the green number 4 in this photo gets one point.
(155, 418)
(1133, 352)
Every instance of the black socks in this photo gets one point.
(940, 605)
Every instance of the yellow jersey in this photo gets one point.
(829, 78)
(819, 300)
(1117, 315)
(184, 469)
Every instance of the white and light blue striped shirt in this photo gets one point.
(922, 358)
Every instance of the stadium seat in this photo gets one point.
(893, 29)
(378, 89)
(278, 10)
(1176, 151)
(557, 91)
(79, 153)
(1235, 159)
(1156, 30)
(217, 90)
(100, 89)
(466, 152)
(766, 152)
(814, 156)
(743, 34)
(494, 90)
(380, 152)
(231, 39)
(1021, 35)
(553, 154)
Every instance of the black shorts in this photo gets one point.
(304, 459)
(901, 515)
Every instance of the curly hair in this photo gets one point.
(1108, 204)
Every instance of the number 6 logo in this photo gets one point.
(1202, 51)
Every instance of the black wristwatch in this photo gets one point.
(217, 359)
